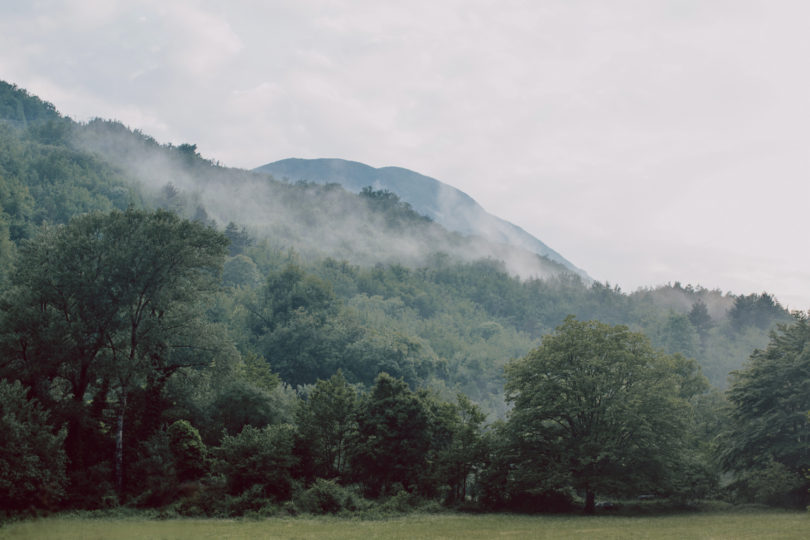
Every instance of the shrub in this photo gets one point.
(188, 451)
(774, 485)
(209, 500)
(323, 497)
(252, 500)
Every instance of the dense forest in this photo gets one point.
(179, 334)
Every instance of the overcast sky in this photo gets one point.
(646, 141)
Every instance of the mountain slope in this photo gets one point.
(446, 205)
(404, 276)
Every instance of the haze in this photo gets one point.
(647, 142)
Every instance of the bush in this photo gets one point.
(209, 500)
(188, 451)
(773, 485)
(253, 500)
(324, 497)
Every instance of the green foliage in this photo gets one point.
(769, 402)
(112, 293)
(20, 108)
(259, 457)
(7, 251)
(327, 424)
(393, 437)
(52, 183)
(103, 311)
(241, 271)
(772, 483)
(32, 456)
(755, 310)
(325, 497)
(678, 335)
(154, 481)
(188, 451)
(374, 351)
(238, 239)
(238, 402)
(120, 325)
(256, 370)
(294, 325)
(308, 334)
(596, 408)
(457, 450)
(701, 321)
(396, 211)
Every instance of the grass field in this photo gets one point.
(728, 525)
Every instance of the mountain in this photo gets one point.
(455, 297)
(444, 204)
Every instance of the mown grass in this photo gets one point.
(757, 524)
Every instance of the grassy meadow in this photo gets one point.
(757, 524)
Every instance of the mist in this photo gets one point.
(316, 220)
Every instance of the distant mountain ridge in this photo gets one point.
(444, 204)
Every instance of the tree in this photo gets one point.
(677, 335)
(769, 401)
(596, 409)
(241, 271)
(701, 320)
(294, 326)
(457, 448)
(326, 424)
(393, 437)
(232, 396)
(259, 457)
(106, 306)
(759, 310)
(239, 402)
(239, 239)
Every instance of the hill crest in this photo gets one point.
(443, 203)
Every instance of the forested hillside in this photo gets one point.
(451, 208)
(167, 320)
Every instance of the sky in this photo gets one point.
(647, 141)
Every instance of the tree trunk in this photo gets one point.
(590, 502)
(119, 451)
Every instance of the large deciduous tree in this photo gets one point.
(596, 409)
(107, 306)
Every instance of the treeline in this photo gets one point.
(120, 385)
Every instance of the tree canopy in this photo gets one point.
(596, 408)
(108, 306)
